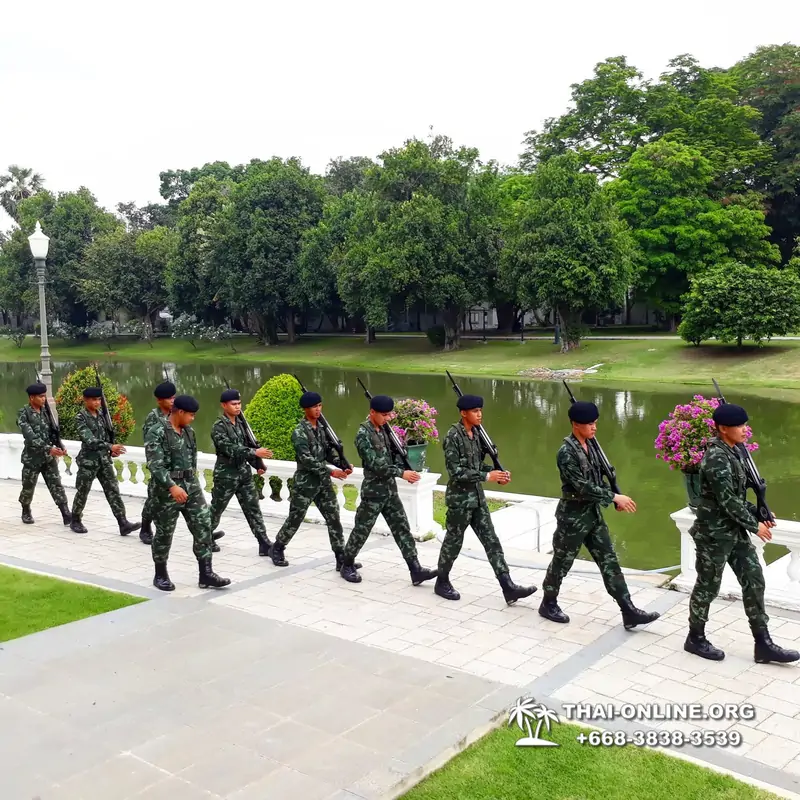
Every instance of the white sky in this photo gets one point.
(108, 94)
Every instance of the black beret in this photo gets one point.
(165, 390)
(583, 412)
(729, 414)
(228, 395)
(185, 402)
(310, 399)
(92, 391)
(36, 388)
(469, 401)
(381, 403)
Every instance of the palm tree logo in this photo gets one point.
(527, 709)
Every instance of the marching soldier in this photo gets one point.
(232, 473)
(39, 455)
(312, 482)
(94, 461)
(379, 495)
(171, 452)
(466, 503)
(580, 521)
(724, 520)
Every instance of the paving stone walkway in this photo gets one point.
(292, 683)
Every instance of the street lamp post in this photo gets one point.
(39, 245)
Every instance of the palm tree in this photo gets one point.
(19, 184)
(545, 716)
(523, 711)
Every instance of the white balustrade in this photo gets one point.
(782, 576)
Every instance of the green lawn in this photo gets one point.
(30, 602)
(624, 361)
(494, 769)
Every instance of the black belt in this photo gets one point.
(182, 473)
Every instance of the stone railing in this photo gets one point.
(782, 576)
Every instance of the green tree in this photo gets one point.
(18, 184)
(177, 184)
(346, 174)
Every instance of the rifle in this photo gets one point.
(487, 443)
(754, 479)
(393, 440)
(335, 441)
(249, 437)
(605, 464)
(54, 426)
(104, 412)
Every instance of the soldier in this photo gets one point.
(171, 452)
(379, 495)
(232, 473)
(94, 461)
(466, 503)
(39, 455)
(724, 518)
(312, 482)
(580, 521)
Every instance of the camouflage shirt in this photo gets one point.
(581, 478)
(313, 452)
(155, 417)
(380, 463)
(171, 456)
(463, 458)
(37, 433)
(95, 441)
(722, 508)
(228, 438)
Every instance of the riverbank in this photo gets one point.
(776, 365)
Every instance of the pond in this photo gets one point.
(527, 421)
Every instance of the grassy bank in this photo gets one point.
(652, 361)
(30, 603)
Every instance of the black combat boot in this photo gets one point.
(549, 609)
(27, 517)
(146, 533)
(419, 574)
(276, 553)
(766, 651)
(66, 514)
(214, 536)
(697, 643)
(208, 578)
(444, 588)
(161, 580)
(632, 616)
(340, 561)
(511, 591)
(264, 544)
(126, 527)
(77, 526)
(348, 571)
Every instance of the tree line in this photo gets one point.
(679, 192)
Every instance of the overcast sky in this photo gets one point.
(108, 94)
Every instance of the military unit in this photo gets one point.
(721, 531)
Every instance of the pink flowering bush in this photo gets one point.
(683, 436)
(414, 422)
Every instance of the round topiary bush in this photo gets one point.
(273, 412)
(436, 335)
(69, 400)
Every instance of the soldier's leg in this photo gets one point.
(567, 541)
(146, 532)
(481, 520)
(221, 494)
(52, 478)
(247, 496)
(456, 523)
(30, 475)
(747, 568)
(325, 501)
(83, 483)
(108, 480)
(397, 520)
(166, 511)
(198, 519)
(366, 516)
(298, 505)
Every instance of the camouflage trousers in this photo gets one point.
(196, 514)
(52, 479)
(104, 471)
(481, 521)
(147, 511)
(324, 499)
(567, 541)
(228, 483)
(395, 515)
(712, 554)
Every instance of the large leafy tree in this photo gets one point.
(177, 184)
(18, 184)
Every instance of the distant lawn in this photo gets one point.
(494, 769)
(30, 603)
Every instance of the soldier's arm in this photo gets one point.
(457, 463)
(226, 445)
(32, 439)
(90, 440)
(719, 475)
(155, 451)
(331, 454)
(570, 469)
(304, 456)
(382, 465)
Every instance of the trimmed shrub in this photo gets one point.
(273, 412)
(69, 400)
(437, 335)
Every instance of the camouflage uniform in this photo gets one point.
(36, 457)
(312, 484)
(720, 533)
(580, 521)
(172, 459)
(232, 475)
(155, 417)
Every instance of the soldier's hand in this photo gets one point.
(264, 452)
(178, 494)
(338, 473)
(497, 476)
(117, 449)
(624, 503)
(348, 471)
(410, 476)
(54, 451)
(764, 533)
(260, 471)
